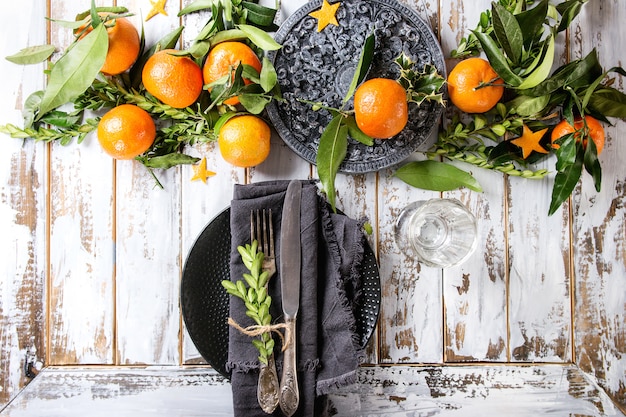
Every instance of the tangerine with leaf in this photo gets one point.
(590, 127)
(474, 86)
(381, 108)
(174, 79)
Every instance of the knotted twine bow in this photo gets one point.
(258, 330)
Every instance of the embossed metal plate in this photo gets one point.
(319, 66)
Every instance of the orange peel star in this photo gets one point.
(529, 141)
(326, 15)
(158, 6)
(200, 172)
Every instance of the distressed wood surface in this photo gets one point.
(599, 226)
(93, 252)
(466, 391)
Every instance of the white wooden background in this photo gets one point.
(92, 252)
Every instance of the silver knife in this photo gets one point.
(290, 260)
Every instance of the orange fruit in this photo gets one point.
(595, 131)
(244, 141)
(124, 45)
(175, 80)
(467, 89)
(126, 131)
(226, 56)
(380, 108)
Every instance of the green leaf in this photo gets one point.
(528, 106)
(436, 176)
(101, 9)
(60, 119)
(269, 78)
(566, 154)
(260, 38)
(168, 161)
(568, 11)
(32, 55)
(258, 14)
(31, 107)
(508, 32)
(363, 65)
(254, 103)
(565, 182)
(196, 6)
(331, 152)
(356, 133)
(609, 102)
(542, 71)
(592, 164)
(531, 21)
(580, 71)
(75, 71)
(497, 59)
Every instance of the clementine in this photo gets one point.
(124, 44)
(589, 128)
(244, 141)
(175, 80)
(126, 131)
(381, 108)
(226, 56)
(473, 86)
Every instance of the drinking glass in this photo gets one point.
(440, 232)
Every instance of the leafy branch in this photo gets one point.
(253, 292)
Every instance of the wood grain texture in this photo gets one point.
(393, 391)
(22, 209)
(599, 227)
(81, 240)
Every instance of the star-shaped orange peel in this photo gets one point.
(529, 141)
(326, 15)
(158, 6)
(200, 172)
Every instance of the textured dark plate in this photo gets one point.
(319, 67)
(205, 303)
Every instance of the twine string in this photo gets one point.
(258, 330)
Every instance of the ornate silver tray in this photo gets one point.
(319, 66)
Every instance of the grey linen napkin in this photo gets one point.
(328, 347)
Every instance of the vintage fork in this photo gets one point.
(262, 230)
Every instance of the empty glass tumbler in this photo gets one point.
(440, 232)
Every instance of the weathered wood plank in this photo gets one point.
(147, 222)
(22, 207)
(81, 319)
(422, 391)
(475, 292)
(599, 228)
(410, 319)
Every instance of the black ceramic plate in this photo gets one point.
(205, 303)
(319, 66)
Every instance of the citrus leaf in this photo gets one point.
(32, 55)
(528, 106)
(436, 176)
(365, 60)
(508, 32)
(565, 182)
(268, 75)
(31, 107)
(497, 59)
(568, 10)
(592, 164)
(259, 14)
(168, 161)
(531, 21)
(330, 154)
(196, 6)
(542, 71)
(609, 102)
(356, 133)
(254, 103)
(566, 153)
(74, 72)
(260, 38)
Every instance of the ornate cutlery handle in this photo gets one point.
(289, 393)
(268, 388)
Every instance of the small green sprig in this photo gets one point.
(253, 292)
